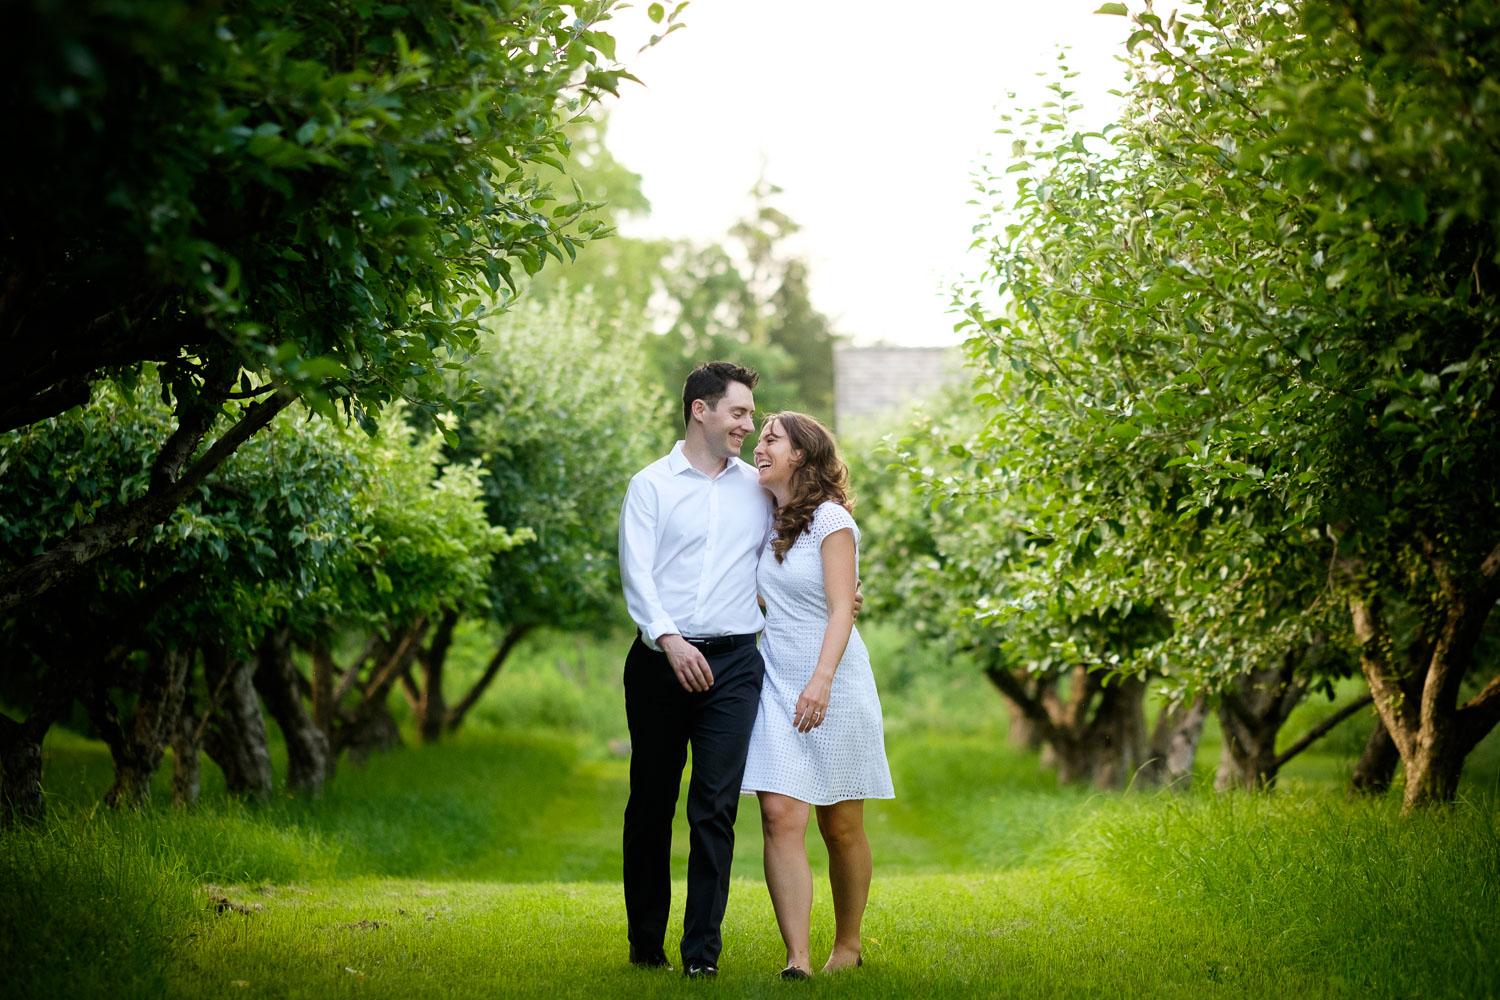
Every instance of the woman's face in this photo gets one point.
(774, 456)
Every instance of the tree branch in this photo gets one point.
(458, 711)
(167, 491)
(1322, 729)
(1011, 687)
(1479, 715)
(27, 410)
(1397, 711)
(398, 661)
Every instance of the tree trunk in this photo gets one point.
(21, 798)
(1095, 739)
(236, 736)
(20, 772)
(1377, 763)
(1077, 760)
(371, 729)
(429, 705)
(1251, 714)
(1174, 744)
(1120, 730)
(187, 745)
(1022, 733)
(138, 749)
(307, 749)
(1417, 697)
(1433, 768)
(1248, 757)
(323, 671)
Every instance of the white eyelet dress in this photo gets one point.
(844, 758)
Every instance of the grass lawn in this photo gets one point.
(489, 866)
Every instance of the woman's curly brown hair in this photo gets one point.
(821, 477)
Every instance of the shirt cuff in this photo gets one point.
(662, 626)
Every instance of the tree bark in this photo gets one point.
(187, 745)
(369, 729)
(1021, 732)
(429, 705)
(1418, 699)
(236, 737)
(1248, 757)
(1251, 714)
(307, 751)
(1120, 732)
(21, 798)
(323, 672)
(1174, 744)
(137, 749)
(1377, 763)
(1097, 735)
(20, 773)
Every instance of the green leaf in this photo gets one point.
(656, 12)
(1118, 9)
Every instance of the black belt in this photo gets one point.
(716, 644)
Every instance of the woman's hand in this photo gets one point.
(812, 704)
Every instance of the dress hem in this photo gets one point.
(813, 802)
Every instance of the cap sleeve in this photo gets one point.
(828, 518)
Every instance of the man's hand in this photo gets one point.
(859, 597)
(687, 663)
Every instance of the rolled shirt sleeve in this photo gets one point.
(638, 542)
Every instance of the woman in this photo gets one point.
(818, 739)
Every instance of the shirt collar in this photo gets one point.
(678, 463)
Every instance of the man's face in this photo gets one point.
(726, 426)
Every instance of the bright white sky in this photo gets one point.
(870, 115)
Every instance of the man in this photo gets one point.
(691, 531)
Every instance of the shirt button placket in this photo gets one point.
(705, 576)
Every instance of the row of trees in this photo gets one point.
(350, 209)
(1236, 431)
(223, 210)
(321, 569)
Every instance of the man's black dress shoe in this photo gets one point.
(700, 970)
(649, 960)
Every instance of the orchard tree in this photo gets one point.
(310, 524)
(569, 412)
(271, 201)
(1252, 331)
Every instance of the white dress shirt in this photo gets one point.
(689, 545)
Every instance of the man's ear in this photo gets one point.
(699, 409)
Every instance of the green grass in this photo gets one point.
(489, 866)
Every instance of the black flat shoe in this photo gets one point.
(791, 972)
(649, 960)
(697, 970)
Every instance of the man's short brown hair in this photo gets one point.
(709, 381)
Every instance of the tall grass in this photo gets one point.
(87, 908)
(1369, 901)
(489, 865)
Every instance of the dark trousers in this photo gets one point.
(664, 719)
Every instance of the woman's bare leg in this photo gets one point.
(849, 867)
(783, 820)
